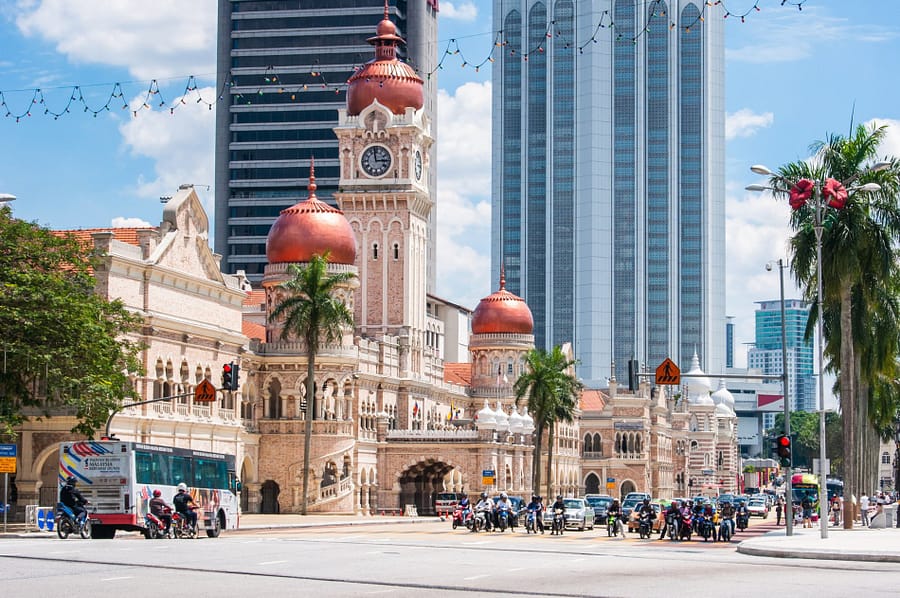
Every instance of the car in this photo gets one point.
(758, 507)
(723, 498)
(519, 506)
(659, 507)
(601, 503)
(579, 514)
(445, 502)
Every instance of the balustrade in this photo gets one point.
(428, 435)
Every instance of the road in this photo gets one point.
(412, 560)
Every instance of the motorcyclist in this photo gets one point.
(672, 513)
(742, 512)
(464, 506)
(184, 506)
(536, 508)
(504, 505)
(645, 509)
(726, 512)
(558, 505)
(161, 510)
(486, 506)
(72, 498)
(708, 513)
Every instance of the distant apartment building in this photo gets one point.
(766, 353)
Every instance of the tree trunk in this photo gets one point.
(536, 460)
(307, 441)
(848, 404)
(550, 458)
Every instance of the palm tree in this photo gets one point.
(552, 395)
(858, 256)
(312, 313)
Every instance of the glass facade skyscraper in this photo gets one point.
(766, 354)
(284, 64)
(608, 178)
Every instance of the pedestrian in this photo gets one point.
(778, 509)
(807, 506)
(836, 511)
(864, 509)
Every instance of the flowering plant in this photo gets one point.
(835, 193)
(800, 193)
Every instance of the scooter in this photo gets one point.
(559, 522)
(154, 527)
(531, 522)
(462, 516)
(742, 521)
(67, 523)
(725, 529)
(684, 532)
(644, 525)
(503, 520)
(480, 520)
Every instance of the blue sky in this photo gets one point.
(791, 77)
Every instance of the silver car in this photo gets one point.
(579, 513)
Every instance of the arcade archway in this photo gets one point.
(420, 483)
(592, 484)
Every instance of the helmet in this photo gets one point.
(646, 501)
(534, 497)
(71, 480)
(503, 495)
(559, 497)
(484, 495)
(157, 493)
(182, 487)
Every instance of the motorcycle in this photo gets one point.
(462, 516)
(559, 522)
(480, 520)
(672, 520)
(742, 521)
(181, 528)
(644, 525)
(707, 528)
(154, 527)
(531, 522)
(614, 525)
(503, 520)
(725, 529)
(67, 523)
(684, 533)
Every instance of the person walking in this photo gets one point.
(779, 507)
(864, 509)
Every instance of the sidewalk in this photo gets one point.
(858, 544)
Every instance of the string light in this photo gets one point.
(272, 83)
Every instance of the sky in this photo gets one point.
(792, 77)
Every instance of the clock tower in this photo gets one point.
(384, 140)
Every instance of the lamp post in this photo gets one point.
(827, 193)
(6, 197)
(788, 492)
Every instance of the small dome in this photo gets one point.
(502, 418)
(311, 227)
(393, 83)
(723, 411)
(486, 418)
(502, 313)
(516, 422)
(723, 398)
(697, 382)
(528, 422)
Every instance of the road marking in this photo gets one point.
(577, 560)
(380, 592)
(116, 578)
(475, 577)
(271, 562)
(516, 569)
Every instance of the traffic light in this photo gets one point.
(783, 447)
(231, 376)
(634, 368)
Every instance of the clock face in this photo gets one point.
(376, 160)
(418, 165)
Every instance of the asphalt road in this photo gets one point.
(412, 560)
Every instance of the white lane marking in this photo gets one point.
(271, 562)
(116, 578)
(474, 577)
(516, 569)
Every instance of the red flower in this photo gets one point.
(801, 192)
(835, 193)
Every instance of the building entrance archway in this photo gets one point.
(626, 488)
(592, 484)
(270, 492)
(420, 483)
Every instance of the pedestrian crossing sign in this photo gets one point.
(668, 373)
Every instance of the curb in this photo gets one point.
(825, 555)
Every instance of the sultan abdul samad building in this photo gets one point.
(394, 423)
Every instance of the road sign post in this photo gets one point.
(7, 466)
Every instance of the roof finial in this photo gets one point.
(502, 277)
(385, 10)
(312, 177)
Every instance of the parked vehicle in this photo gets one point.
(67, 523)
(445, 502)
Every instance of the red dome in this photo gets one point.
(309, 228)
(393, 83)
(502, 313)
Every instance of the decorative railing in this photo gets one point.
(298, 426)
(227, 414)
(202, 411)
(431, 435)
(593, 455)
(337, 489)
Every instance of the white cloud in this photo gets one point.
(464, 193)
(124, 222)
(890, 145)
(174, 38)
(179, 145)
(745, 123)
(462, 11)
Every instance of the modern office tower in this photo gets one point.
(284, 65)
(729, 342)
(608, 177)
(766, 354)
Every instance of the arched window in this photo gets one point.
(396, 252)
(374, 251)
(588, 444)
(598, 444)
(886, 458)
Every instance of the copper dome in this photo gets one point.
(502, 313)
(393, 83)
(309, 228)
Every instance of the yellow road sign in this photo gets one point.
(668, 373)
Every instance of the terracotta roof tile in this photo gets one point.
(83, 235)
(458, 373)
(253, 330)
(255, 297)
(593, 400)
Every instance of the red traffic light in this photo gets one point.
(784, 441)
(226, 368)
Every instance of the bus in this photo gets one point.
(118, 478)
(805, 485)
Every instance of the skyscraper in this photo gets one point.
(285, 64)
(766, 354)
(608, 183)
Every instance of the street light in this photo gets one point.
(788, 492)
(6, 197)
(818, 192)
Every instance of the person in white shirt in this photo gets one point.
(864, 509)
